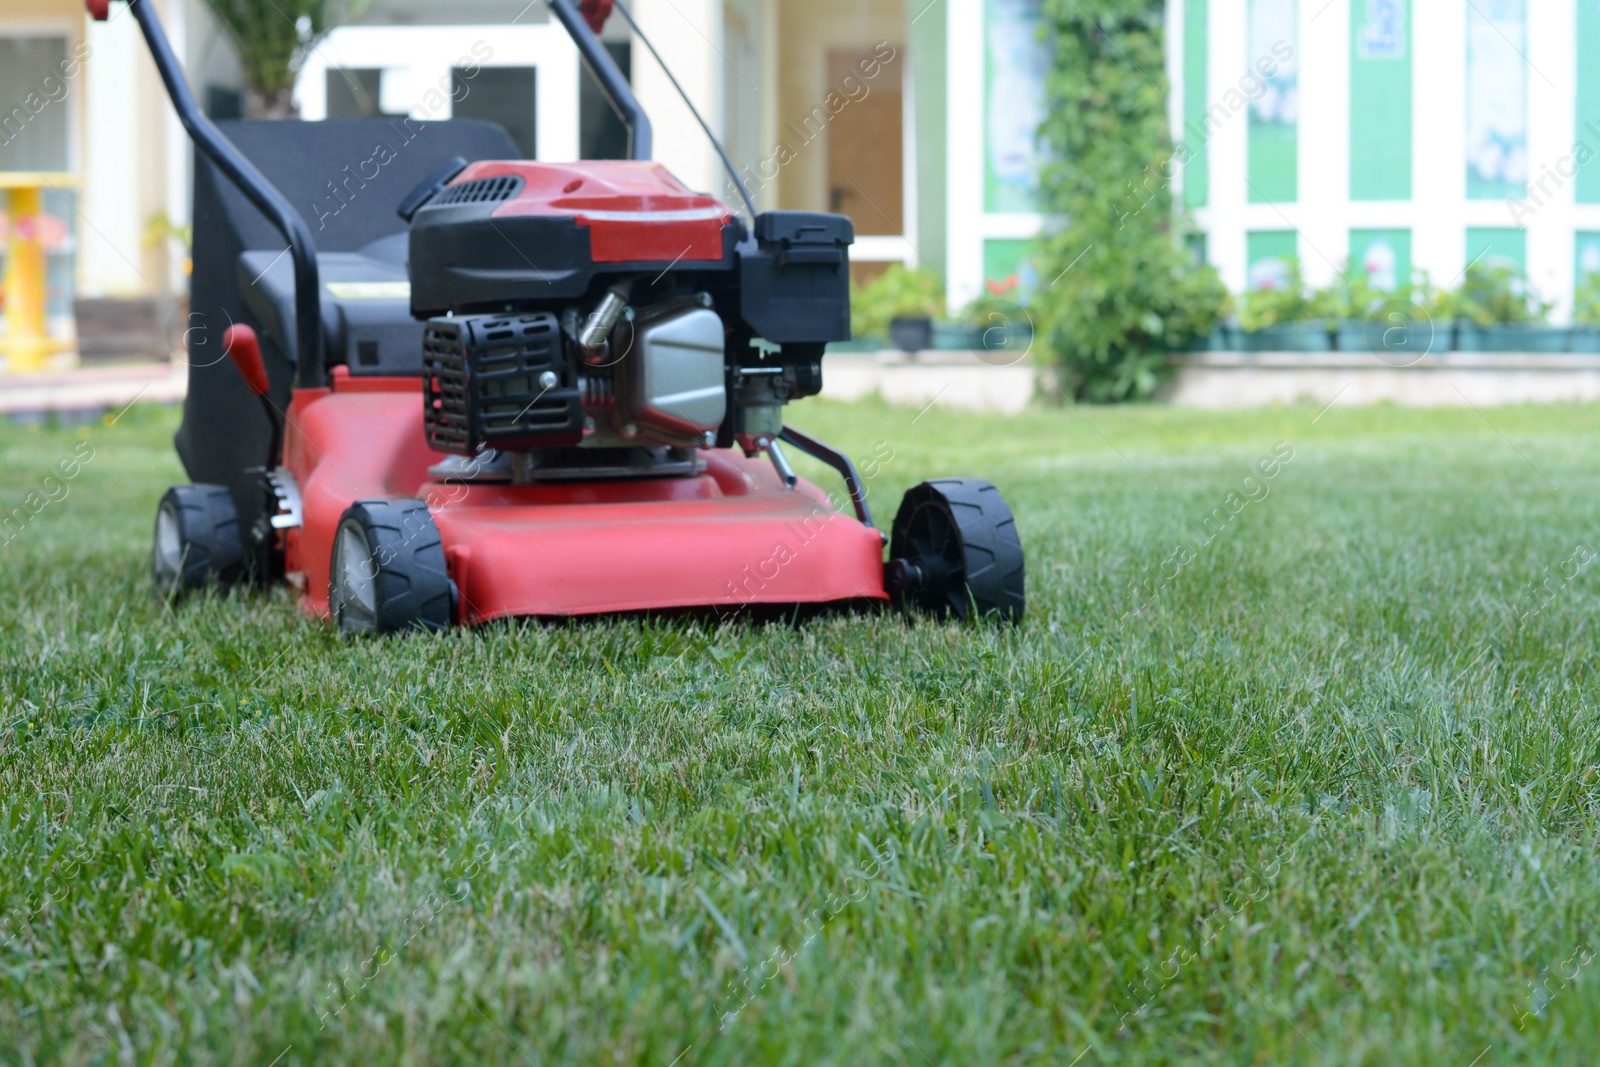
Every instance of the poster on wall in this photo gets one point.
(1497, 99)
(1275, 112)
(1015, 63)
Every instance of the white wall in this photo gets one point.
(111, 231)
(689, 36)
(422, 58)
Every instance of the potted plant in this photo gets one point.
(1496, 310)
(1402, 324)
(1288, 316)
(991, 324)
(901, 304)
(1358, 304)
(1215, 332)
(273, 39)
(1586, 315)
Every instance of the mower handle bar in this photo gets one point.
(310, 372)
(310, 369)
(615, 88)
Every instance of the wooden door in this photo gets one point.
(866, 163)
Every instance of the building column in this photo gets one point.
(1439, 141)
(1552, 125)
(1324, 142)
(1228, 144)
(110, 241)
(964, 150)
(688, 34)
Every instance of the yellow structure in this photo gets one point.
(26, 345)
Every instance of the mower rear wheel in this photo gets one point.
(954, 551)
(196, 541)
(388, 571)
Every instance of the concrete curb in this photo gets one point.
(970, 381)
(90, 388)
(1450, 379)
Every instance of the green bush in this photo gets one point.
(899, 292)
(1295, 301)
(1350, 296)
(273, 38)
(1491, 295)
(1586, 302)
(1355, 297)
(1118, 289)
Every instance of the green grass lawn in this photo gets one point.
(1316, 786)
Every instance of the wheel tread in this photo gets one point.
(208, 530)
(412, 582)
(995, 579)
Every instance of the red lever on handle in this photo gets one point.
(595, 13)
(99, 10)
(244, 349)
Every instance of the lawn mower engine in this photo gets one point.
(599, 320)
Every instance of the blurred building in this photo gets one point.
(1391, 135)
(1385, 134)
(857, 106)
(846, 105)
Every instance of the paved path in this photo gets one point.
(90, 388)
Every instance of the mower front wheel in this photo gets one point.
(196, 540)
(954, 551)
(388, 571)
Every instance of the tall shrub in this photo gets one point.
(273, 38)
(1118, 289)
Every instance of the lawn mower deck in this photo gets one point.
(548, 390)
(619, 545)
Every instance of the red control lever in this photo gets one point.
(99, 10)
(244, 349)
(594, 12)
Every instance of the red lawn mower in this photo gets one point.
(522, 388)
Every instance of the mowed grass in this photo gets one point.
(1327, 797)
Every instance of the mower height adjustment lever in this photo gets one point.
(244, 348)
(785, 472)
(839, 462)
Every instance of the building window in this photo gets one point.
(601, 132)
(35, 135)
(1196, 172)
(1588, 134)
(34, 124)
(1274, 169)
(504, 95)
(1493, 246)
(1497, 99)
(359, 93)
(1380, 100)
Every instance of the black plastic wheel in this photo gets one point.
(954, 550)
(388, 571)
(196, 541)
